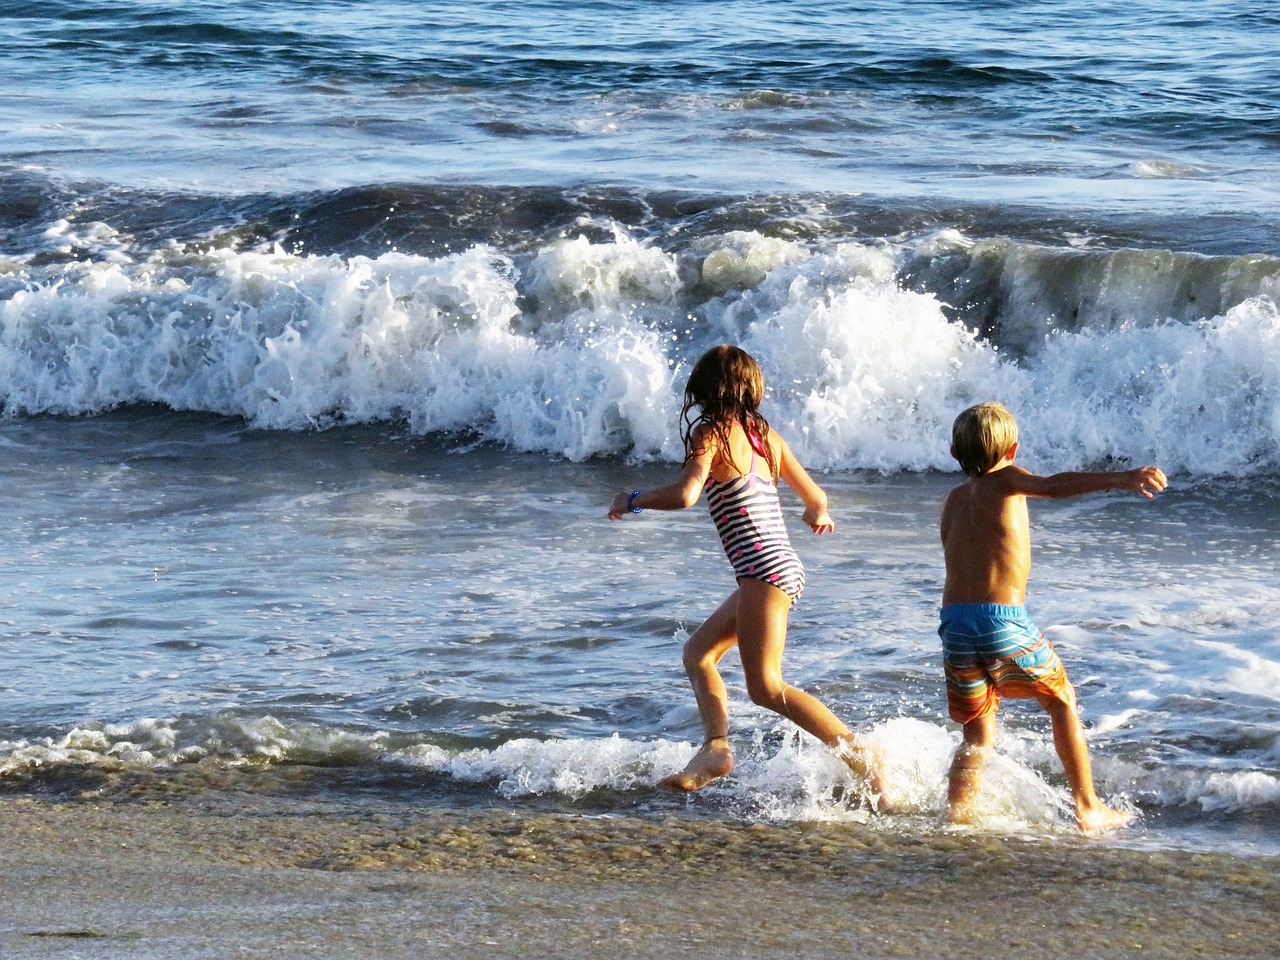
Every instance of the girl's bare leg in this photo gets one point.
(762, 637)
(702, 651)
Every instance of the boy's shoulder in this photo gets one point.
(1000, 478)
(998, 485)
(1008, 481)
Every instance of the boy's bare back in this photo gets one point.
(986, 542)
(986, 538)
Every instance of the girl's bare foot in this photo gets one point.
(712, 762)
(1101, 818)
(858, 758)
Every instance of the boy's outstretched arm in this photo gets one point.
(1147, 481)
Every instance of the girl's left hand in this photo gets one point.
(819, 521)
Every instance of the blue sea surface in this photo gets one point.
(1073, 103)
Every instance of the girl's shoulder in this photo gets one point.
(764, 438)
(704, 437)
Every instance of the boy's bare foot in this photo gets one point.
(1101, 818)
(963, 813)
(712, 762)
(964, 781)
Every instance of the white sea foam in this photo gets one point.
(568, 767)
(581, 349)
(1242, 790)
(795, 779)
(743, 259)
(1220, 791)
(224, 740)
(1165, 170)
(800, 769)
(1254, 675)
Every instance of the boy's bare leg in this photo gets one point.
(1068, 738)
(967, 767)
(702, 651)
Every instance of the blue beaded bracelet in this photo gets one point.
(631, 501)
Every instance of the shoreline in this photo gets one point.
(163, 879)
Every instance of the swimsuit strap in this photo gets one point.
(757, 448)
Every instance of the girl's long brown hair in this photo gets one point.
(726, 386)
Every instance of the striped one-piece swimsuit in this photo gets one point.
(748, 517)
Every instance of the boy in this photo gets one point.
(990, 648)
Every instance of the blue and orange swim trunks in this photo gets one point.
(991, 650)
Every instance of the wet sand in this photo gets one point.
(95, 879)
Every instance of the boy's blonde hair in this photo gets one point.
(981, 436)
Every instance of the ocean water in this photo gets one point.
(327, 332)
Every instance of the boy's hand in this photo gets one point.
(1146, 477)
(819, 520)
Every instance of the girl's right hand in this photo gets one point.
(618, 509)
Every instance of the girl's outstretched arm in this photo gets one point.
(673, 496)
(813, 496)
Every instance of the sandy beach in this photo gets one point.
(159, 879)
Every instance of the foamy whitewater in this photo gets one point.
(315, 392)
(579, 348)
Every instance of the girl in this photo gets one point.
(730, 449)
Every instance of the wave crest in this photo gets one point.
(578, 348)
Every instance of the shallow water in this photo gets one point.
(188, 596)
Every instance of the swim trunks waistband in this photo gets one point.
(1001, 610)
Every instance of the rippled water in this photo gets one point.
(1063, 103)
